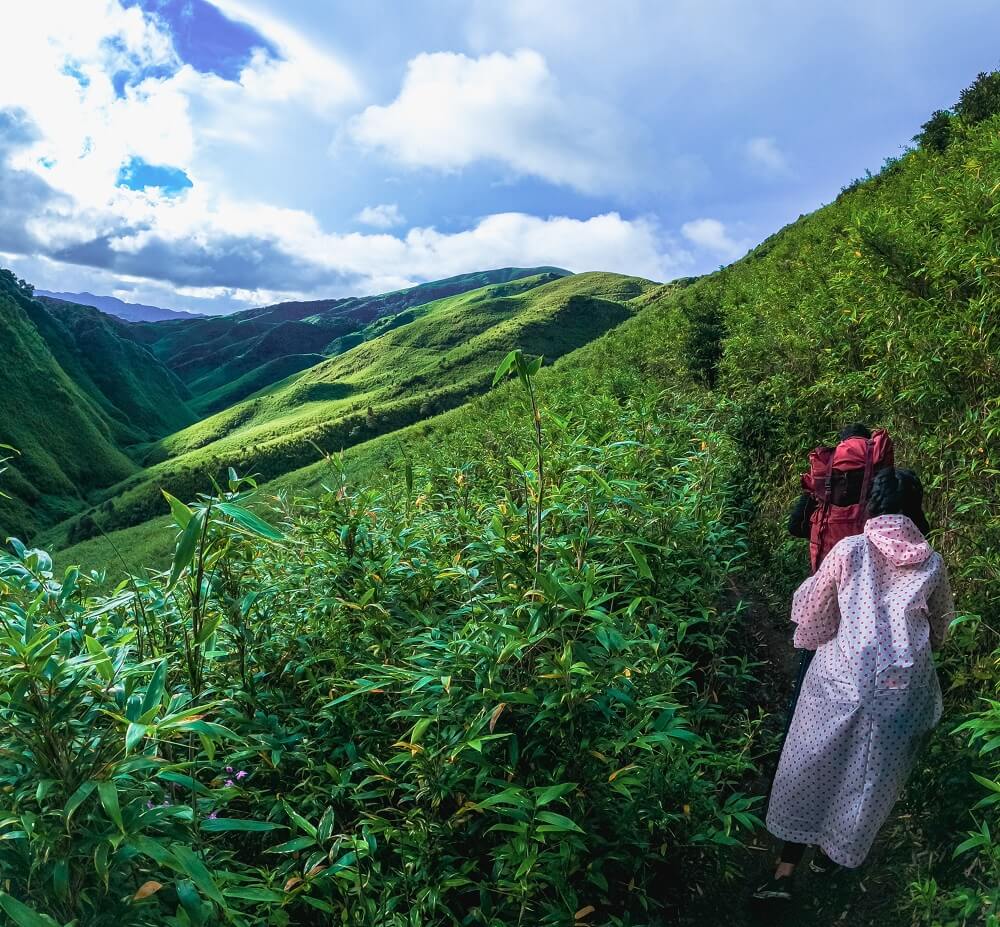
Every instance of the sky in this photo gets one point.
(216, 156)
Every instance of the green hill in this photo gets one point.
(420, 362)
(223, 359)
(77, 393)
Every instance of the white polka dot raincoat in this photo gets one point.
(873, 612)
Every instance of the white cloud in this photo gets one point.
(225, 243)
(712, 235)
(383, 216)
(765, 157)
(453, 110)
(304, 72)
(57, 62)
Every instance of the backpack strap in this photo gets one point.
(824, 502)
(866, 483)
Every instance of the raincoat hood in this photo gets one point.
(898, 539)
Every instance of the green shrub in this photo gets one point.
(498, 693)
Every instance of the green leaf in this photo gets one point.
(208, 628)
(976, 840)
(186, 546)
(990, 784)
(155, 690)
(77, 799)
(155, 850)
(194, 868)
(292, 846)
(325, 829)
(185, 782)
(247, 519)
(512, 796)
(134, 735)
(182, 513)
(255, 893)
(191, 901)
(108, 793)
(60, 879)
(301, 821)
(219, 824)
(22, 915)
(505, 367)
(551, 792)
(640, 560)
(102, 660)
(558, 822)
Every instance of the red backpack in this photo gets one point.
(839, 480)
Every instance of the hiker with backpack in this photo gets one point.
(877, 605)
(834, 504)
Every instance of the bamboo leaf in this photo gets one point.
(246, 519)
(108, 793)
(186, 546)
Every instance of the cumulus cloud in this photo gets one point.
(383, 216)
(765, 157)
(712, 236)
(70, 121)
(453, 110)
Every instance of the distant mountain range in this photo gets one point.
(130, 312)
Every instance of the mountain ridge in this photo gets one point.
(112, 305)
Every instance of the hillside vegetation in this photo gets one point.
(226, 358)
(77, 393)
(505, 675)
(404, 368)
(110, 397)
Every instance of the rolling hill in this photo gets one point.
(225, 358)
(78, 393)
(430, 358)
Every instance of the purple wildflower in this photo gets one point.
(229, 783)
(229, 769)
(149, 804)
(213, 815)
(242, 774)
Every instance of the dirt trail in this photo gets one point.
(872, 895)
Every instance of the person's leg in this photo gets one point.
(779, 886)
(791, 856)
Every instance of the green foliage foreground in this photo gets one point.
(444, 705)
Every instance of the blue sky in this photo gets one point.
(212, 156)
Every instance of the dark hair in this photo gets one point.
(898, 492)
(855, 430)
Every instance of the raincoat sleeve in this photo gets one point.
(940, 609)
(815, 609)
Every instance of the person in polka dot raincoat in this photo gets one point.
(874, 612)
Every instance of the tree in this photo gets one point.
(981, 99)
(935, 134)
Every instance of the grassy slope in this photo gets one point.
(446, 353)
(223, 360)
(101, 392)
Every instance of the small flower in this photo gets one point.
(242, 774)
(166, 803)
(229, 783)
(213, 815)
(229, 769)
(149, 804)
